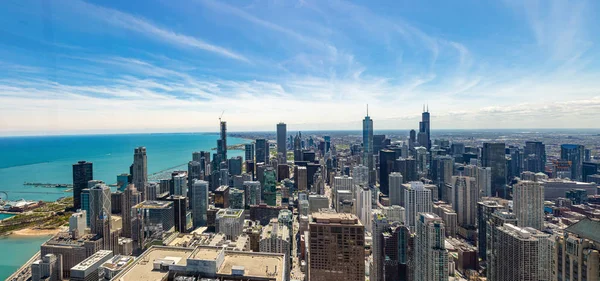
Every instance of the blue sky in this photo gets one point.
(160, 66)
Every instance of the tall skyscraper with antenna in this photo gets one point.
(424, 137)
(368, 146)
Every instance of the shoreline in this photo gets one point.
(32, 232)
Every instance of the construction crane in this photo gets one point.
(221, 116)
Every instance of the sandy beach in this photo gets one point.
(35, 232)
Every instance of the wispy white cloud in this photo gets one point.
(150, 30)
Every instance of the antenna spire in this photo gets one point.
(367, 109)
(427, 107)
(423, 107)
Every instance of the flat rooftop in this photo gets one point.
(142, 268)
(265, 265)
(341, 218)
(150, 204)
(206, 253)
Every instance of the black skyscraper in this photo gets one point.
(387, 159)
(82, 173)
(535, 156)
(493, 156)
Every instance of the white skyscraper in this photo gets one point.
(343, 183)
(529, 204)
(396, 188)
(431, 256)
(363, 206)
(417, 200)
(465, 197)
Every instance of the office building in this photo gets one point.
(424, 136)
(234, 166)
(131, 197)
(442, 172)
(431, 256)
(555, 188)
(535, 156)
(77, 224)
(575, 153)
(493, 156)
(484, 181)
(485, 209)
(364, 201)
(394, 213)
(269, 192)
(82, 173)
(252, 192)
(367, 158)
(576, 255)
(151, 219)
(336, 247)
(180, 184)
(275, 238)
(407, 167)
(114, 265)
(180, 213)
(318, 202)
(387, 160)
(249, 152)
(123, 181)
(360, 174)
(301, 177)
(519, 254)
(465, 197)
(262, 151)
(49, 268)
(236, 198)
(72, 251)
(88, 269)
(529, 204)
(100, 213)
(194, 173)
(396, 188)
(417, 199)
(199, 199)
(281, 140)
(380, 224)
(230, 222)
(140, 170)
(223, 140)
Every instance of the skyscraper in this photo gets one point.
(298, 147)
(535, 156)
(368, 147)
(412, 139)
(336, 248)
(131, 197)
(270, 187)
(140, 170)
(82, 173)
(100, 213)
(387, 160)
(431, 256)
(520, 254)
(579, 242)
(262, 151)
(493, 156)
(574, 153)
(485, 209)
(417, 199)
(424, 129)
(396, 188)
(529, 204)
(364, 202)
(380, 223)
(199, 198)
(464, 202)
(223, 135)
(249, 151)
(281, 140)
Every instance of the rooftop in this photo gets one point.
(586, 228)
(154, 205)
(340, 218)
(142, 268)
(255, 264)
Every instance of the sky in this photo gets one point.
(72, 66)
